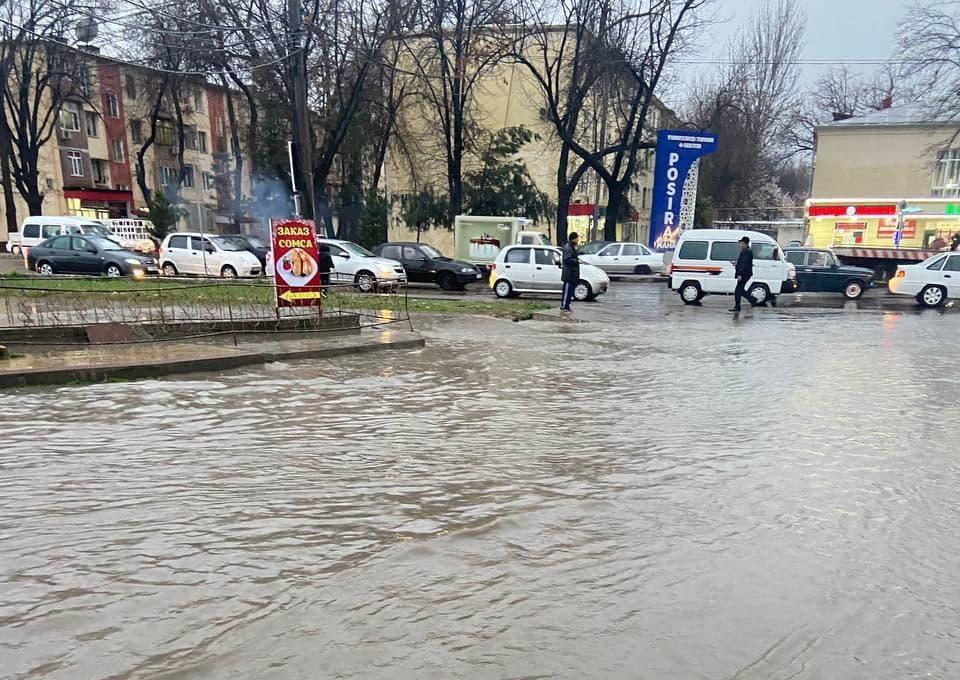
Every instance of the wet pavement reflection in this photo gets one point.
(663, 492)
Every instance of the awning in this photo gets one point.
(106, 195)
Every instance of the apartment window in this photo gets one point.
(190, 140)
(76, 163)
(113, 106)
(118, 152)
(198, 103)
(168, 176)
(99, 171)
(209, 182)
(643, 205)
(202, 141)
(70, 117)
(136, 131)
(946, 176)
(130, 85)
(166, 132)
(188, 176)
(92, 124)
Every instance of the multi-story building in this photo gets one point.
(89, 167)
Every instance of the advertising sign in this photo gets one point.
(296, 273)
(674, 185)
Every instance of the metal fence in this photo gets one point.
(53, 310)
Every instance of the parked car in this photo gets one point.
(537, 269)
(87, 254)
(593, 247)
(252, 245)
(626, 258)
(426, 264)
(931, 282)
(39, 228)
(355, 264)
(705, 263)
(205, 255)
(819, 271)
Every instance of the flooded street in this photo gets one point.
(660, 493)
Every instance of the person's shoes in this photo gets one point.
(734, 309)
(565, 313)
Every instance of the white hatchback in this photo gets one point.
(931, 282)
(536, 269)
(205, 255)
(621, 259)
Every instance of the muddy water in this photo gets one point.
(673, 496)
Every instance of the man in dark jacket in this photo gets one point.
(571, 271)
(744, 273)
(955, 242)
(326, 266)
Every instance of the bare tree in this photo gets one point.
(929, 37)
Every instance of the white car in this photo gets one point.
(536, 269)
(205, 255)
(931, 282)
(619, 259)
(355, 264)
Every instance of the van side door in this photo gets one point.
(723, 255)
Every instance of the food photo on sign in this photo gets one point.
(296, 272)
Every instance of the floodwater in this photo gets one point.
(664, 493)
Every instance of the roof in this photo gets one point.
(723, 235)
(907, 114)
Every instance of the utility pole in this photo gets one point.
(301, 161)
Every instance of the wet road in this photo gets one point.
(661, 493)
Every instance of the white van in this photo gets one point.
(33, 230)
(705, 261)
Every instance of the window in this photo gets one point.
(528, 239)
(168, 176)
(337, 251)
(188, 176)
(610, 251)
(83, 245)
(765, 251)
(796, 257)
(91, 118)
(178, 243)
(390, 252)
(630, 249)
(518, 256)
(197, 243)
(545, 256)
(198, 104)
(946, 174)
(953, 264)
(202, 141)
(209, 182)
(99, 171)
(646, 197)
(817, 259)
(412, 254)
(70, 117)
(51, 230)
(118, 152)
(136, 131)
(693, 250)
(190, 140)
(130, 85)
(76, 163)
(725, 251)
(937, 265)
(60, 243)
(31, 231)
(113, 106)
(166, 132)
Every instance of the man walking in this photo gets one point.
(571, 272)
(744, 273)
(326, 266)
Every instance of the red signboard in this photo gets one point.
(888, 228)
(296, 272)
(852, 210)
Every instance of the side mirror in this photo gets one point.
(210, 250)
(91, 249)
(345, 256)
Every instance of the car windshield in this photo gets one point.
(224, 244)
(431, 251)
(98, 229)
(354, 249)
(255, 242)
(102, 243)
(593, 247)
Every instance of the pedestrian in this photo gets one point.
(938, 243)
(744, 273)
(325, 266)
(571, 272)
(955, 242)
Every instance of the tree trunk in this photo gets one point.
(563, 210)
(613, 211)
(236, 203)
(6, 179)
(34, 201)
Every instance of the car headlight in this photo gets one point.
(385, 269)
(467, 270)
(130, 260)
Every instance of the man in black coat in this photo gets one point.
(571, 271)
(325, 264)
(744, 273)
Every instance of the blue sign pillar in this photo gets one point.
(677, 151)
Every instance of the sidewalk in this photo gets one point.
(151, 360)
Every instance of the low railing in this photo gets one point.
(58, 310)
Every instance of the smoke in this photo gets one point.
(270, 199)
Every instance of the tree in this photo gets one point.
(164, 215)
(501, 185)
(374, 220)
(929, 40)
(424, 210)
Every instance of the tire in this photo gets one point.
(642, 269)
(228, 272)
(169, 269)
(366, 282)
(759, 293)
(447, 281)
(582, 291)
(932, 296)
(854, 289)
(690, 292)
(503, 289)
(113, 270)
(45, 268)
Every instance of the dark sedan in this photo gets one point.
(819, 271)
(88, 254)
(252, 245)
(426, 264)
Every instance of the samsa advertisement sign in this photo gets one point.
(674, 185)
(296, 273)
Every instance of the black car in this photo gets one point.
(252, 245)
(426, 264)
(87, 254)
(819, 271)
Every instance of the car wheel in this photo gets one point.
(365, 281)
(169, 269)
(503, 289)
(113, 270)
(853, 290)
(45, 268)
(642, 269)
(932, 296)
(582, 291)
(759, 293)
(690, 293)
(228, 272)
(446, 281)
